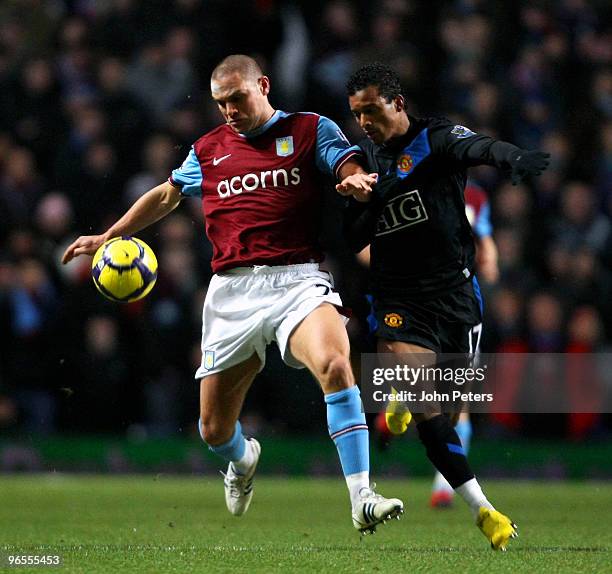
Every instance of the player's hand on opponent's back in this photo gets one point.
(527, 163)
(84, 245)
(359, 185)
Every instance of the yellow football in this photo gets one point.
(124, 269)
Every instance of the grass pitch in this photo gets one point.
(166, 524)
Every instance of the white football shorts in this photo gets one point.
(249, 307)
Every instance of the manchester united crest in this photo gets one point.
(405, 163)
(394, 320)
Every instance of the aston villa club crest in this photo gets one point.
(405, 163)
(284, 146)
(209, 360)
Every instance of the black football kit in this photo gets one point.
(422, 250)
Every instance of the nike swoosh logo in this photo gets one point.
(217, 161)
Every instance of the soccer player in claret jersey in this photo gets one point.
(425, 295)
(258, 177)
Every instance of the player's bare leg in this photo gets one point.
(396, 416)
(320, 342)
(221, 399)
(445, 451)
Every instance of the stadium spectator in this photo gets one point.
(102, 379)
(54, 219)
(31, 355)
(581, 223)
(127, 119)
(159, 156)
(545, 323)
(21, 186)
(162, 76)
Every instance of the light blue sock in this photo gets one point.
(233, 449)
(347, 428)
(464, 432)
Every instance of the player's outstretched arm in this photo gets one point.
(474, 149)
(518, 163)
(151, 207)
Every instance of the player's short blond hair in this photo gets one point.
(243, 65)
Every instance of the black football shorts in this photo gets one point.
(448, 324)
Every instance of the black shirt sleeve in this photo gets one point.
(358, 218)
(359, 222)
(470, 148)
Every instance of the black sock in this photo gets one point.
(444, 450)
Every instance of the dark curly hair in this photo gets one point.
(375, 74)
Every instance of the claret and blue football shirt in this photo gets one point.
(262, 191)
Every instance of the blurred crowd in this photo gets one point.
(100, 100)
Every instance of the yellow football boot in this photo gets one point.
(498, 528)
(397, 416)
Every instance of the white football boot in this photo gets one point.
(374, 509)
(239, 487)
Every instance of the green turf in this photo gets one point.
(167, 524)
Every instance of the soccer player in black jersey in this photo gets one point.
(411, 211)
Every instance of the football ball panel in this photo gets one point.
(122, 253)
(120, 283)
(148, 257)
